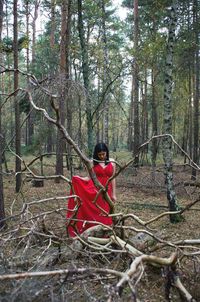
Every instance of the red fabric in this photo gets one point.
(88, 211)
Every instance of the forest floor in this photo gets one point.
(28, 245)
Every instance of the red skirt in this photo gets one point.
(89, 209)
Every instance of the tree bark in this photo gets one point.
(68, 97)
(30, 120)
(52, 71)
(167, 119)
(105, 74)
(17, 112)
(154, 120)
(62, 99)
(196, 90)
(35, 17)
(2, 211)
(135, 80)
(85, 68)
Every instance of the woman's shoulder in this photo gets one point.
(113, 162)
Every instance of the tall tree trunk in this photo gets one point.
(53, 26)
(144, 124)
(185, 132)
(52, 72)
(62, 99)
(98, 135)
(196, 89)
(2, 211)
(105, 73)
(154, 119)
(135, 80)
(30, 120)
(68, 97)
(85, 68)
(79, 139)
(35, 17)
(190, 143)
(144, 115)
(33, 51)
(17, 112)
(130, 119)
(167, 119)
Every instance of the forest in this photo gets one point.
(74, 73)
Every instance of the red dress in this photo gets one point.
(89, 208)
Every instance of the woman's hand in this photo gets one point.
(114, 198)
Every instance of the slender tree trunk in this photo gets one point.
(133, 129)
(154, 120)
(190, 142)
(146, 128)
(185, 131)
(9, 84)
(30, 120)
(35, 17)
(196, 89)
(98, 135)
(62, 99)
(53, 26)
(52, 72)
(167, 126)
(144, 117)
(190, 81)
(136, 123)
(130, 120)
(17, 112)
(105, 74)
(68, 96)
(144, 132)
(31, 115)
(85, 68)
(80, 142)
(2, 211)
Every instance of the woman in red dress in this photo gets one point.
(91, 208)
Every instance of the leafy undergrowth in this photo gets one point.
(35, 240)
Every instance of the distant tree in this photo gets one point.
(2, 212)
(17, 111)
(29, 111)
(64, 77)
(134, 124)
(85, 70)
(52, 72)
(105, 74)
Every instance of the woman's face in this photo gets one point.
(102, 155)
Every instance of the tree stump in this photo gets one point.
(37, 183)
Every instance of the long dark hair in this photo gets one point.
(98, 148)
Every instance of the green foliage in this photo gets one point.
(29, 149)
(24, 105)
(23, 43)
(7, 44)
(46, 59)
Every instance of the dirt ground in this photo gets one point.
(35, 240)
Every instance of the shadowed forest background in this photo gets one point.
(73, 73)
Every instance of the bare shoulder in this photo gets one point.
(112, 160)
